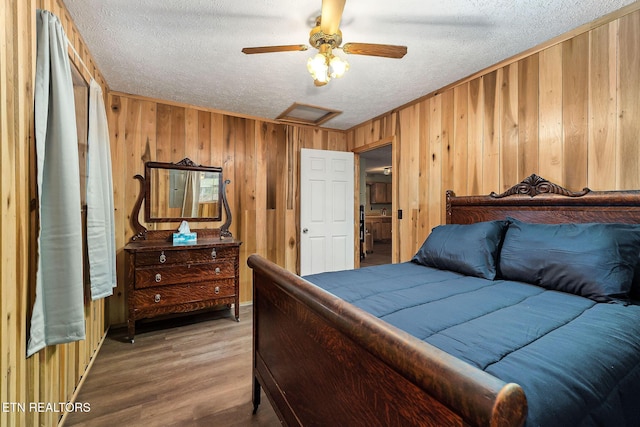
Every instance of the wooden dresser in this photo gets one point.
(165, 278)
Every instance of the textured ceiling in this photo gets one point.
(189, 51)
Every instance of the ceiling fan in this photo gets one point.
(325, 37)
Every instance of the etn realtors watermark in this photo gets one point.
(45, 407)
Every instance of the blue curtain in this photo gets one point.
(58, 312)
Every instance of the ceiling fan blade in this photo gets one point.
(331, 16)
(370, 49)
(270, 49)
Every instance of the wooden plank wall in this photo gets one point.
(568, 112)
(261, 158)
(15, 130)
(53, 374)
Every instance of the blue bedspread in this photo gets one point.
(577, 361)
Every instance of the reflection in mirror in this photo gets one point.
(183, 191)
(189, 194)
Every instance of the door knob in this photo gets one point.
(305, 230)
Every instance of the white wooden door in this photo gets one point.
(326, 211)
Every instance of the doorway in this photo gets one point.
(376, 177)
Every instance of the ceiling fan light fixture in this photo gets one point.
(325, 36)
(325, 66)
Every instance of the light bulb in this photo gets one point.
(318, 67)
(337, 67)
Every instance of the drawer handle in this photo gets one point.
(163, 258)
(158, 277)
(217, 270)
(216, 290)
(213, 253)
(156, 298)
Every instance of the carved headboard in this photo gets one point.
(537, 200)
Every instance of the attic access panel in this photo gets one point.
(307, 114)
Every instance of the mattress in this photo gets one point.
(577, 361)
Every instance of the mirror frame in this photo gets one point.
(145, 188)
(183, 165)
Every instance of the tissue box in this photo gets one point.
(184, 238)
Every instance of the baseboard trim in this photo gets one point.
(84, 376)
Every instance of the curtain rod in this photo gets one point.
(79, 58)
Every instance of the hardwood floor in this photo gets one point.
(381, 255)
(184, 371)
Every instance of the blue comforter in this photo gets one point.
(577, 361)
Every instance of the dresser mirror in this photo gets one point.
(182, 191)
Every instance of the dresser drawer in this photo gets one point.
(183, 294)
(178, 255)
(176, 274)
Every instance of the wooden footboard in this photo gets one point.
(322, 361)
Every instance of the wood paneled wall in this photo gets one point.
(569, 112)
(52, 375)
(260, 158)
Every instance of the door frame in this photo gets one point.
(389, 140)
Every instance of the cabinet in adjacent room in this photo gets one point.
(379, 227)
(380, 192)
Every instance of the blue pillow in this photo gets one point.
(469, 249)
(592, 260)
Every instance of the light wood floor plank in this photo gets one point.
(181, 371)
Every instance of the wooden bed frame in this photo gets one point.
(323, 361)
